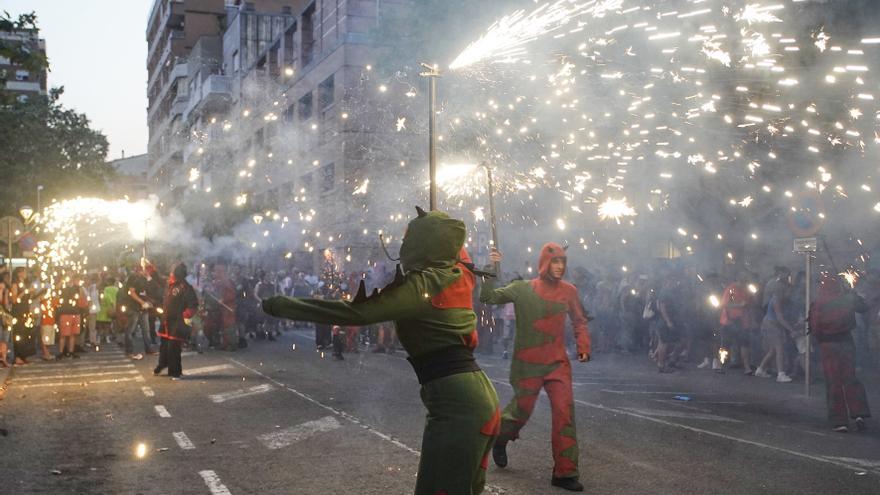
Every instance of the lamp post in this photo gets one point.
(432, 72)
(39, 189)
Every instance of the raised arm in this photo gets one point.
(402, 302)
(489, 294)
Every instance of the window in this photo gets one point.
(328, 177)
(326, 93)
(305, 107)
(236, 62)
(290, 113)
(22, 75)
(308, 35)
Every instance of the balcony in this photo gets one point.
(180, 70)
(213, 95)
(178, 106)
(155, 66)
(172, 15)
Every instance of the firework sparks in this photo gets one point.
(506, 40)
(615, 209)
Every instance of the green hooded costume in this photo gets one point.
(431, 305)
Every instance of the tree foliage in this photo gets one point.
(42, 142)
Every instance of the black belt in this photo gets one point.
(442, 363)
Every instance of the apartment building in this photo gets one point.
(270, 112)
(17, 80)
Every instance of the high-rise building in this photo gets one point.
(173, 29)
(268, 112)
(19, 80)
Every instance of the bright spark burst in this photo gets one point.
(615, 209)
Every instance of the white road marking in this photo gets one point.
(162, 412)
(288, 436)
(138, 378)
(41, 371)
(148, 391)
(214, 484)
(238, 394)
(704, 431)
(78, 364)
(81, 375)
(678, 414)
(622, 392)
(342, 414)
(208, 369)
(189, 353)
(183, 441)
(865, 463)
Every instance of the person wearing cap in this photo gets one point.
(540, 359)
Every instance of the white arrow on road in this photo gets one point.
(289, 436)
(242, 392)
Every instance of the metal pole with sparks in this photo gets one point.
(432, 72)
(493, 223)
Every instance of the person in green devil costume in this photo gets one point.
(431, 304)
(540, 359)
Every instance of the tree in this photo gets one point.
(42, 142)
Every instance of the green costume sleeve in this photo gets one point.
(400, 303)
(491, 295)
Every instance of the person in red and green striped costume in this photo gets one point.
(431, 304)
(540, 359)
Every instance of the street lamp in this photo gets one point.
(432, 72)
(27, 213)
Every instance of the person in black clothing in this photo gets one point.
(135, 303)
(155, 293)
(179, 306)
(21, 297)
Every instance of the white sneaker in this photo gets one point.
(716, 364)
(136, 357)
(705, 364)
(782, 377)
(760, 372)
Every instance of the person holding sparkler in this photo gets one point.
(540, 359)
(430, 301)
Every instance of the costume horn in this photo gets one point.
(421, 212)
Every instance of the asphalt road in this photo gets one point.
(282, 418)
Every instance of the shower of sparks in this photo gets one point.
(615, 209)
(68, 228)
(506, 40)
(460, 179)
(657, 102)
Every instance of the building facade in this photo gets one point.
(17, 80)
(273, 117)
